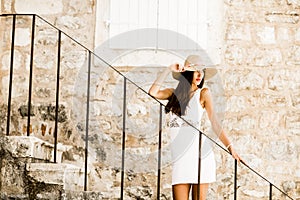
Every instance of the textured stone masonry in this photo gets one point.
(259, 72)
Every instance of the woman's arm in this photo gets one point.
(155, 90)
(216, 126)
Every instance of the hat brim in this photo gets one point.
(209, 73)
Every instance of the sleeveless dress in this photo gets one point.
(185, 146)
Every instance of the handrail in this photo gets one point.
(124, 105)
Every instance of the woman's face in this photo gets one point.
(197, 78)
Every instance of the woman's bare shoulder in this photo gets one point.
(169, 91)
(204, 91)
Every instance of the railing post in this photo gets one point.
(270, 193)
(30, 74)
(123, 139)
(57, 93)
(199, 164)
(235, 179)
(87, 121)
(11, 73)
(159, 152)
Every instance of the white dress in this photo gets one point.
(185, 147)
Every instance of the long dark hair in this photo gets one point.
(179, 100)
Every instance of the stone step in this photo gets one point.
(93, 195)
(71, 177)
(134, 192)
(33, 147)
(79, 195)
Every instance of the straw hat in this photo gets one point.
(194, 63)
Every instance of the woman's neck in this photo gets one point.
(194, 88)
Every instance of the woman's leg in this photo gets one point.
(181, 191)
(203, 191)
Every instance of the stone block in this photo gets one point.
(278, 80)
(255, 194)
(46, 7)
(248, 146)
(243, 123)
(136, 109)
(265, 57)
(294, 54)
(29, 147)
(79, 6)
(292, 122)
(12, 174)
(297, 173)
(45, 78)
(70, 22)
(70, 176)
(236, 55)
(17, 63)
(22, 37)
(247, 122)
(47, 112)
(42, 92)
(269, 119)
(46, 36)
(79, 195)
(295, 97)
(238, 32)
(265, 35)
(281, 17)
(32, 147)
(236, 104)
(297, 35)
(244, 16)
(74, 59)
(284, 35)
(7, 5)
(273, 100)
(267, 3)
(244, 80)
(281, 150)
(23, 110)
(45, 58)
(238, 3)
(295, 3)
(252, 159)
(289, 186)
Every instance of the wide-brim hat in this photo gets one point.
(194, 63)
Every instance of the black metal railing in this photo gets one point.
(126, 80)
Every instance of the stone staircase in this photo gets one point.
(28, 161)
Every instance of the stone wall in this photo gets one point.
(259, 69)
(75, 17)
(261, 79)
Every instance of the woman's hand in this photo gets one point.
(176, 67)
(235, 155)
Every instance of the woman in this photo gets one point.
(189, 100)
